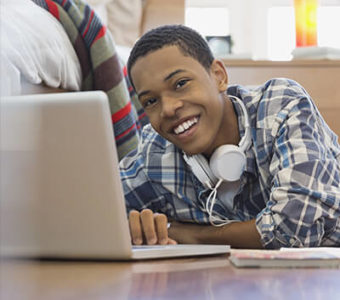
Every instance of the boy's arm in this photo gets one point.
(150, 228)
(304, 205)
(236, 234)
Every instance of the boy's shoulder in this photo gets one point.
(275, 95)
(270, 103)
(283, 87)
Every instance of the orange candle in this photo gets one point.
(306, 22)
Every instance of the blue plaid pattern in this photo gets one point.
(291, 184)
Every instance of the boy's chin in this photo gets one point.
(192, 150)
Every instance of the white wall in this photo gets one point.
(250, 30)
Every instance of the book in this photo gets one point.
(321, 257)
(316, 53)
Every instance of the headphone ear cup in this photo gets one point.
(228, 162)
(201, 169)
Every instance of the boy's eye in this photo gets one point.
(181, 83)
(149, 102)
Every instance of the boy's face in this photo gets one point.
(184, 102)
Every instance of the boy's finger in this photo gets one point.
(161, 224)
(148, 225)
(135, 227)
(171, 242)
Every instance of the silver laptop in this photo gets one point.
(61, 194)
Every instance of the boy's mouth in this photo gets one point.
(186, 125)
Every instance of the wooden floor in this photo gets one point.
(189, 278)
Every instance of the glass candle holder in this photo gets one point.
(306, 22)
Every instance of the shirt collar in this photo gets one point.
(250, 155)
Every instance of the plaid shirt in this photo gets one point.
(291, 184)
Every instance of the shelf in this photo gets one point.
(290, 63)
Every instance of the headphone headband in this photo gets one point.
(227, 162)
(245, 141)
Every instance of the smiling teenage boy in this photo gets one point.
(251, 168)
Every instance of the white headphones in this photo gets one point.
(227, 163)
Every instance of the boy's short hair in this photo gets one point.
(188, 41)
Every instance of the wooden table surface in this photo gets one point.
(186, 278)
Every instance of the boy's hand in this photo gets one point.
(149, 228)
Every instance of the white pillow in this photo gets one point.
(35, 44)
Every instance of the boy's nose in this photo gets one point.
(170, 106)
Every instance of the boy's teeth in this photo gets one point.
(185, 125)
(179, 129)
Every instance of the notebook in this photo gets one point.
(61, 194)
(318, 257)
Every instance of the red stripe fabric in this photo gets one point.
(100, 34)
(125, 71)
(90, 30)
(141, 116)
(125, 132)
(120, 114)
(53, 9)
(88, 23)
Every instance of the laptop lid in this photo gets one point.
(61, 194)
(60, 178)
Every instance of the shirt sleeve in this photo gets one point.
(140, 192)
(305, 188)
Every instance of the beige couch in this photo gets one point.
(128, 19)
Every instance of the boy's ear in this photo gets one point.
(219, 72)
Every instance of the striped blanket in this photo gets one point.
(101, 67)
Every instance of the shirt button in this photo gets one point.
(292, 241)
